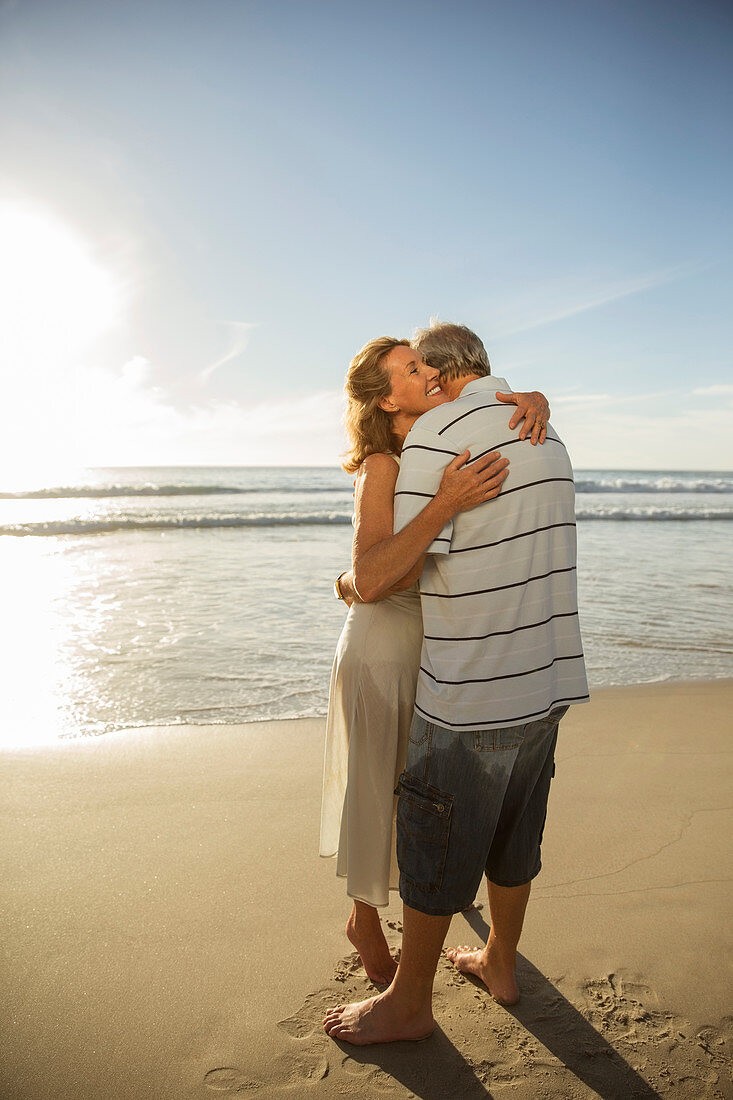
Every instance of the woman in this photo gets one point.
(374, 676)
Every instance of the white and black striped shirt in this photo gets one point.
(500, 614)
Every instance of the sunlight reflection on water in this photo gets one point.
(166, 627)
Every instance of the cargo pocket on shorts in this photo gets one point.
(423, 830)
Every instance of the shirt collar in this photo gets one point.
(490, 383)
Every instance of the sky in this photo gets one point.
(207, 208)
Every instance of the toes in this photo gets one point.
(333, 1017)
(337, 1029)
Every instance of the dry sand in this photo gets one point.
(171, 933)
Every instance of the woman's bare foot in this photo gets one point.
(497, 976)
(364, 929)
(378, 1020)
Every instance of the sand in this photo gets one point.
(170, 932)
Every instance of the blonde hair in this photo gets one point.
(368, 427)
(454, 350)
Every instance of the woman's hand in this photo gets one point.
(465, 485)
(383, 562)
(348, 592)
(533, 409)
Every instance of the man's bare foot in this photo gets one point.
(378, 1020)
(364, 929)
(498, 977)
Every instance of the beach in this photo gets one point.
(202, 223)
(170, 931)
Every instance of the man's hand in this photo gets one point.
(533, 409)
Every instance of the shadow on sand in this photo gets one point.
(432, 1070)
(566, 1033)
(435, 1069)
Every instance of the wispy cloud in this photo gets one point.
(240, 334)
(720, 390)
(661, 398)
(619, 436)
(613, 400)
(565, 298)
(580, 398)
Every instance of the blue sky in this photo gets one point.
(212, 206)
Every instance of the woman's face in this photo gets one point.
(415, 387)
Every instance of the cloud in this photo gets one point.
(137, 372)
(240, 334)
(719, 390)
(580, 398)
(625, 398)
(563, 298)
(135, 422)
(89, 416)
(632, 433)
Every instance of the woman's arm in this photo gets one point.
(533, 409)
(382, 560)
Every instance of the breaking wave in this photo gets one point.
(106, 525)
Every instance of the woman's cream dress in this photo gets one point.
(369, 715)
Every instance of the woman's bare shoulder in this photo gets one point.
(379, 463)
(376, 479)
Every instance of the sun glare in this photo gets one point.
(56, 300)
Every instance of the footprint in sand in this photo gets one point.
(355, 1069)
(372, 1077)
(309, 1016)
(530, 982)
(307, 1070)
(484, 1070)
(297, 1027)
(228, 1079)
(347, 967)
(716, 1043)
(308, 1020)
(641, 994)
(657, 1044)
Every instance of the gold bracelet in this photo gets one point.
(337, 587)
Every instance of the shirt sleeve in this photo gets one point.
(424, 458)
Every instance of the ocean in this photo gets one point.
(158, 596)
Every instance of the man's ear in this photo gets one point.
(387, 403)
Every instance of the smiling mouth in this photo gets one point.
(434, 391)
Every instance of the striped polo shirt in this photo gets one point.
(498, 592)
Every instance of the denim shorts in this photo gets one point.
(472, 802)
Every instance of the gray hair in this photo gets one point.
(452, 349)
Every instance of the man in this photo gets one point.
(501, 662)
